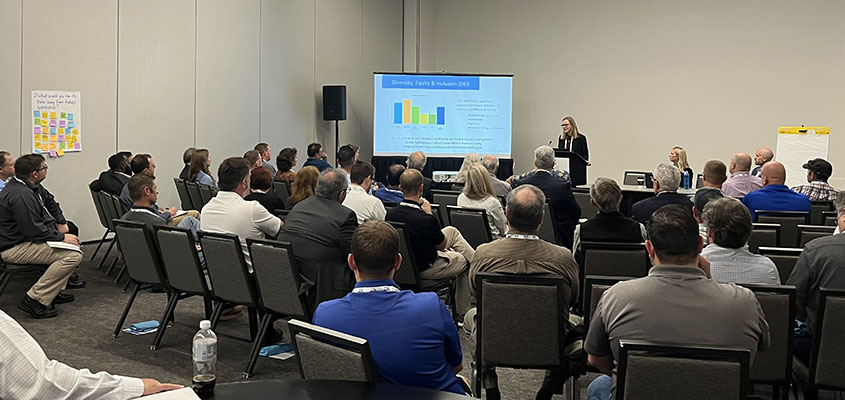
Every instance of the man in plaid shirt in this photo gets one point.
(818, 172)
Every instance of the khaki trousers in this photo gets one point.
(62, 264)
(453, 262)
(176, 220)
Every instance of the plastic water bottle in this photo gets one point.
(205, 359)
(687, 183)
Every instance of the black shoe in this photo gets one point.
(63, 298)
(75, 282)
(36, 309)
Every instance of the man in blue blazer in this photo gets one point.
(667, 179)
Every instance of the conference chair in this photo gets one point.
(654, 371)
(282, 214)
(587, 210)
(444, 198)
(194, 195)
(829, 218)
(184, 196)
(699, 181)
(784, 259)
(827, 361)
(121, 210)
(101, 214)
(503, 200)
(472, 223)
(631, 177)
(8, 270)
(501, 317)
(773, 366)
(185, 276)
(807, 233)
(816, 210)
(408, 274)
(438, 212)
(277, 280)
(143, 265)
(594, 288)
(111, 213)
(322, 353)
(788, 220)
(612, 259)
(281, 189)
(767, 235)
(548, 232)
(206, 193)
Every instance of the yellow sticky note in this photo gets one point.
(54, 138)
(73, 139)
(38, 145)
(60, 152)
(43, 122)
(43, 114)
(75, 132)
(61, 131)
(53, 115)
(53, 146)
(37, 138)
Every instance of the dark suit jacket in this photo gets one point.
(565, 210)
(320, 231)
(642, 210)
(579, 146)
(270, 201)
(112, 182)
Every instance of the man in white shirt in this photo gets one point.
(27, 373)
(366, 207)
(228, 212)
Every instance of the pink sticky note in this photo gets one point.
(53, 153)
(62, 124)
(36, 130)
(61, 138)
(52, 122)
(77, 145)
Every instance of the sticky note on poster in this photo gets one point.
(53, 153)
(60, 152)
(77, 146)
(36, 130)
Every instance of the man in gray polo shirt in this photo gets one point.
(676, 303)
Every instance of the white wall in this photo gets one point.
(641, 77)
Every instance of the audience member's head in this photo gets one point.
(393, 173)
(187, 155)
(303, 184)
(839, 206)
(678, 157)
(740, 162)
(356, 149)
(525, 208)
(478, 186)
(7, 165)
(470, 160)
(374, 252)
(200, 161)
(701, 199)
(142, 190)
(143, 164)
(667, 178)
(818, 169)
(263, 150)
(410, 183)
(361, 172)
(606, 195)
(763, 155)
(31, 167)
(286, 159)
(416, 161)
(773, 173)
(346, 156)
(260, 179)
(728, 223)
(673, 236)
(253, 157)
(715, 173)
(119, 163)
(544, 158)
(332, 184)
(491, 163)
(315, 150)
(233, 175)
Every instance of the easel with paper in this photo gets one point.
(797, 145)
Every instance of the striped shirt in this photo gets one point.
(27, 373)
(740, 266)
(817, 191)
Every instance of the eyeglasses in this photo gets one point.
(42, 168)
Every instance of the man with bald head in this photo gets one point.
(417, 160)
(491, 163)
(741, 181)
(763, 155)
(775, 196)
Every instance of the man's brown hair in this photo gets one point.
(375, 245)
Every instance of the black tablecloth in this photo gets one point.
(435, 164)
(319, 389)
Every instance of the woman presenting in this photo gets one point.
(572, 140)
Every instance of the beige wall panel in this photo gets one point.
(10, 75)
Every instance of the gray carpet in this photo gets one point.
(81, 336)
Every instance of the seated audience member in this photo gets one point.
(27, 373)
(366, 207)
(265, 155)
(144, 164)
(609, 225)
(667, 178)
(491, 163)
(728, 229)
(523, 252)
(713, 176)
(775, 196)
(7, 168)
(356, 149)
(417, 161)
(144, 194)
(116, 176)
(817, 188)
(741, 181)
(303, 185)
(285, 162)
(228, 212)
(470, 160)
(317, 157)
(261, 181)
(411, 335)
(346, 158)
(254, 158)
(820, 265)
(391, 193)
(515, 180)
(200, 164)
(558, 191)
(763, 155)
(439, 253)
(701, 311)
(186, 158)
(320, 229)
(678, 157)
(701, 199)
(478, 193)
(26, 226)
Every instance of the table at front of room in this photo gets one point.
(632, 194)
(320, 389)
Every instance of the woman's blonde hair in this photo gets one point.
(682, 158)
(574, 131)
(304, 185)
(469, 161)
(478, 186)
(199, 162)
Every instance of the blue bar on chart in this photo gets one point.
(441, 113)
(397, 113)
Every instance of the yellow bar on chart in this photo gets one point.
(406, 111)
(424, 119)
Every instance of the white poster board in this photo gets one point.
(56, 122)
(796, 146)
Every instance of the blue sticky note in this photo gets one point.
(37, 151)
(36, 114)
(70, 117)
(53, 131)
(70, 124)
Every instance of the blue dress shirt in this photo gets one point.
(318, 163)
(776, 198)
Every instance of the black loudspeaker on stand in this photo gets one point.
(334, 108)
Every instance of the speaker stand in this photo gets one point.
(336, 137)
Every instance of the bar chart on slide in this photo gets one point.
(405, 112)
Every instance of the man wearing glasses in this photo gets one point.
(33, 231)
(366, 207)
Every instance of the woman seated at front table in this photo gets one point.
(199, 172)
(478, 193)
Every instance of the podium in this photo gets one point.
(577, 166)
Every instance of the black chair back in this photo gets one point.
(788, 220)
(444, 198)
(184, 196)
(784, 259)
(827, 365)
(227, 269)
(277, 278)
(472, 223)
(763, 235)
(323, 353)
(774, 365)
(438, 212)
(407, 276)
(180, 260)
(594, 288)
(612, 259)
(699, 181)
(101, 213)
(143, 262)
(583, 199)
(829, 218)
(807, 233)
(281, 190)
(282, 214)
(206, 193)
(195, 196)
(547, 228)
(816, 210)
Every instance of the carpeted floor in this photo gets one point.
(81, 336)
